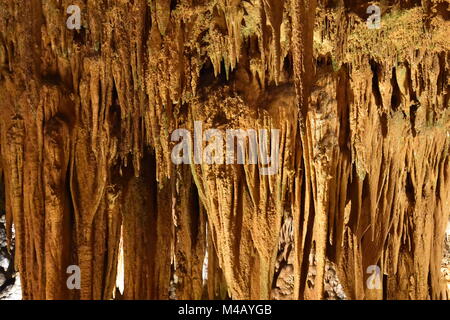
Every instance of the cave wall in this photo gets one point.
(86, 118)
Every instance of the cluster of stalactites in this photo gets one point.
(87, 117)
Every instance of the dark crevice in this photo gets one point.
(343, 103)
(410, 193)
(173, 5)
(308, 246)
(384, 124)
(288, 65)
(441, 80)
(376, 69)
(79, 36)
(412, 117)
(207, 76)
(385, 285)
(195, 214)
(396, 98)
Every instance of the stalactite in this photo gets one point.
(86, 118)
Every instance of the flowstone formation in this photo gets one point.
(87, 116)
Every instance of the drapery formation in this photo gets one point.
(86, 118)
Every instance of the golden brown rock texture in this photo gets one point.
(85, 124)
